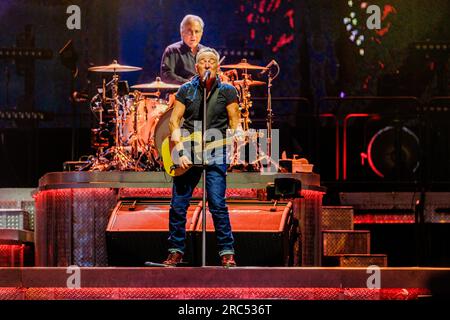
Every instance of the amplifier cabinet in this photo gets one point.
(260, 230)
(138, 229)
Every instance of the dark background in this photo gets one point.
(308, 39)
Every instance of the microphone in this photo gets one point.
(206, 75)
(271, 63)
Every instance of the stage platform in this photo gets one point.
(73, 209)
(208, 283)
(126, 179)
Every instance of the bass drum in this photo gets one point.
(162, 129)
(143, 120)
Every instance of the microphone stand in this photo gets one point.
(269, 118)
(204, 179)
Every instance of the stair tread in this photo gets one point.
(338, 207)
(348, 231)
(361, 255)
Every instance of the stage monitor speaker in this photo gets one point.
(261, 233)
(138, 229)
(287, 188)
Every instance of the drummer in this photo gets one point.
(178, 60)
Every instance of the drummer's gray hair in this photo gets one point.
(188, 19)
(207, 49)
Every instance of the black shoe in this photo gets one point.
(228, 261)
(173, 259)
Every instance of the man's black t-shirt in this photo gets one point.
(191, 95)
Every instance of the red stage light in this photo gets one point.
(181, 293)
(383, 219)
(167, 193)
(11, 255)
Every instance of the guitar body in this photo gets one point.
(170, 161)
(170, 157)
(193, 142)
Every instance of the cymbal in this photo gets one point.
(158, 84)
(114, 67)
(243, 65)
(249, 82)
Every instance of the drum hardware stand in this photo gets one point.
(134, 143)
(116, 156)
(96, 106)
(152, 155)
(265, 156)
(243, 164)
(120, 160)
(269, 119)
(246, 103)
(134, 135)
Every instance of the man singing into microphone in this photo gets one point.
(222, 113)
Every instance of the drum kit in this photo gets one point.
(133, 124)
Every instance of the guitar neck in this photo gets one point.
(218, 143)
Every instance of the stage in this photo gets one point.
(208, 283)
(73, 210)
(348, 101)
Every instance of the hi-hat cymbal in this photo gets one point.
(158, 84)
(249, 82)
(243, 65)
(114, 67)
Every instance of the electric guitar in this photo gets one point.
(193, 142)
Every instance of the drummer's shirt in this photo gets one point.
(178, 63)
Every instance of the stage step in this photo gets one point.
(355, 260)
(342, 245)
(18, 198)
(16, 248)
(338, 242)
(337, 218)
(14, 219)
(363, 260)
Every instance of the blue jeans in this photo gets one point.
(183, 186)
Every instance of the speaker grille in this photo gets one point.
(137, 232)
(261, 235)
(346, 242)
(379, 260)
(337, 218)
